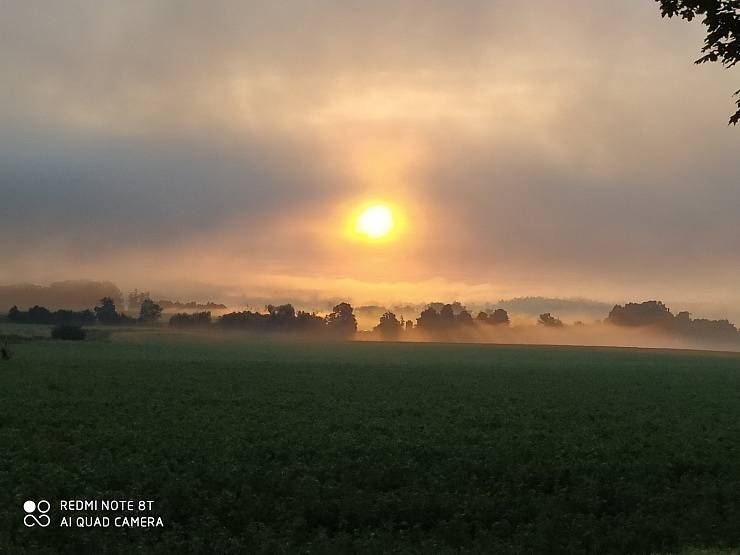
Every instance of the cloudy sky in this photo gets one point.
(215, 149)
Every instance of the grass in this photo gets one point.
(250, 446)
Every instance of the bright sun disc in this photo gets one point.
(375, 222)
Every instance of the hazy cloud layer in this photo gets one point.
(541, 148)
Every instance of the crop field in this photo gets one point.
(257, 446)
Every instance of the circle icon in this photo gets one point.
(30, 519)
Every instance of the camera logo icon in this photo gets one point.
(31, 508)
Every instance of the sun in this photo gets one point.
(375, 222)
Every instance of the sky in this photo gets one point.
(216, 150)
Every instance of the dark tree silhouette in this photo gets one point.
(106, 312)
(428, 320)
(722, 20)
(440, 319)
(389, 327)
(40, 315)
(184, 320)
(499, 318)
(284, 319)
(464, 318)
(306, 322)
(281, 316)
(447, 317)
(68, 332)
(721, 330)
(436, 306)
(549, 321)
(657, 315)
(244, 320)
(74, 318)
(149, 311)
(341, 321)
(650, 313)
(14, 315)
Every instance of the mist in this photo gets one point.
(595, 334)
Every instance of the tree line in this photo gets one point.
(437, 320)
(340, 322)
(658, 316)
(105, 313)
(136, 298)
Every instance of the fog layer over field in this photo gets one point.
(527, 320)
(596, 334)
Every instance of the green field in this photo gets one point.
(250, 446)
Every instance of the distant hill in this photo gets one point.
(571, 308)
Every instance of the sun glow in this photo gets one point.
(375, 222)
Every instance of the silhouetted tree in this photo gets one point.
(548, 320)
(447, 317)
(428, 320)
(457, 307)
(650, 313)
(389, 327)
(196, 319)
(657, 315)
(464, 318)
(68, 332)
(15, 315)
(721, 330)
(341, 321)
(244, 320)
(436, 306)
(281, 316)
(74, 318)
(149, 311)
(499, 317)
(40, 315)
(722, 20)
(106, 312)
(309, 323)
(409, 325)
(684, 316)
(440, 319)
